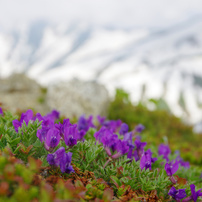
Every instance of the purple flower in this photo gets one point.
(121, 148)
(101, 120)
(41, 133)
(99, 134)
(165, 151)
(81, 135)
(85, 124)
(139, 128)
(54, 159)
(182, 163)
(112, 125)
(46, 120)
(1, 111)
(61, 127)
(71, 135)
(177, 194)
(129, 140)
(194, 195)
(25, 117)
(124, 129)
(53, 115)
(17, 124)
(171, 168)
(111, 142)
(139, 150)
(146, 160)
(52, 138)
(65, 163)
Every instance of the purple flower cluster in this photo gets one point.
(111, 142)
(177, 194)
(112, 125)
(180, 194)
(170, 166)
(84, 124)
(51, 133)
(62, 159)
(164, 150)
(116, 147)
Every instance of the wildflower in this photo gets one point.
(111, 142)
(61, 127)
(62, 159)
(164, 150)
(53, 115)
(112, 125)
(171, 168)
(146, 160)
(41, 133)
(124, 129)
(101, 120)
(121, 148)
(139, 128)
(85, 124)
(54, 159)
(182, 163)
(46, 120)
(139, 150)
(177, 194)
(65, 163)
(128, 139)
(25, 117)
(99, 134)
(1, 111)
(194, 195)
(71, 135)
(52, 139)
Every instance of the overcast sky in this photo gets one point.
(123, 13)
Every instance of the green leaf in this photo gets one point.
(116, 181)
(15, 141)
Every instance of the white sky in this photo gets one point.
(118, 13)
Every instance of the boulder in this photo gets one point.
(75, 98)
(18, 92)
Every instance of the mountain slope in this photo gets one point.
(148, 64)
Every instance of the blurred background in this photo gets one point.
(150, 49)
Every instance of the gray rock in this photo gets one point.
(18, 92)
(75, 98)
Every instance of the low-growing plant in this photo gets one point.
(160, 126)
(45, 158)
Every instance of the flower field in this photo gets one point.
(52, 158)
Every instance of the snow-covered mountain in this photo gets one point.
(163, 63)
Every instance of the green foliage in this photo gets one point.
(97, 176)
(23, 144)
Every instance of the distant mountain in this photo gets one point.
(157, 64)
